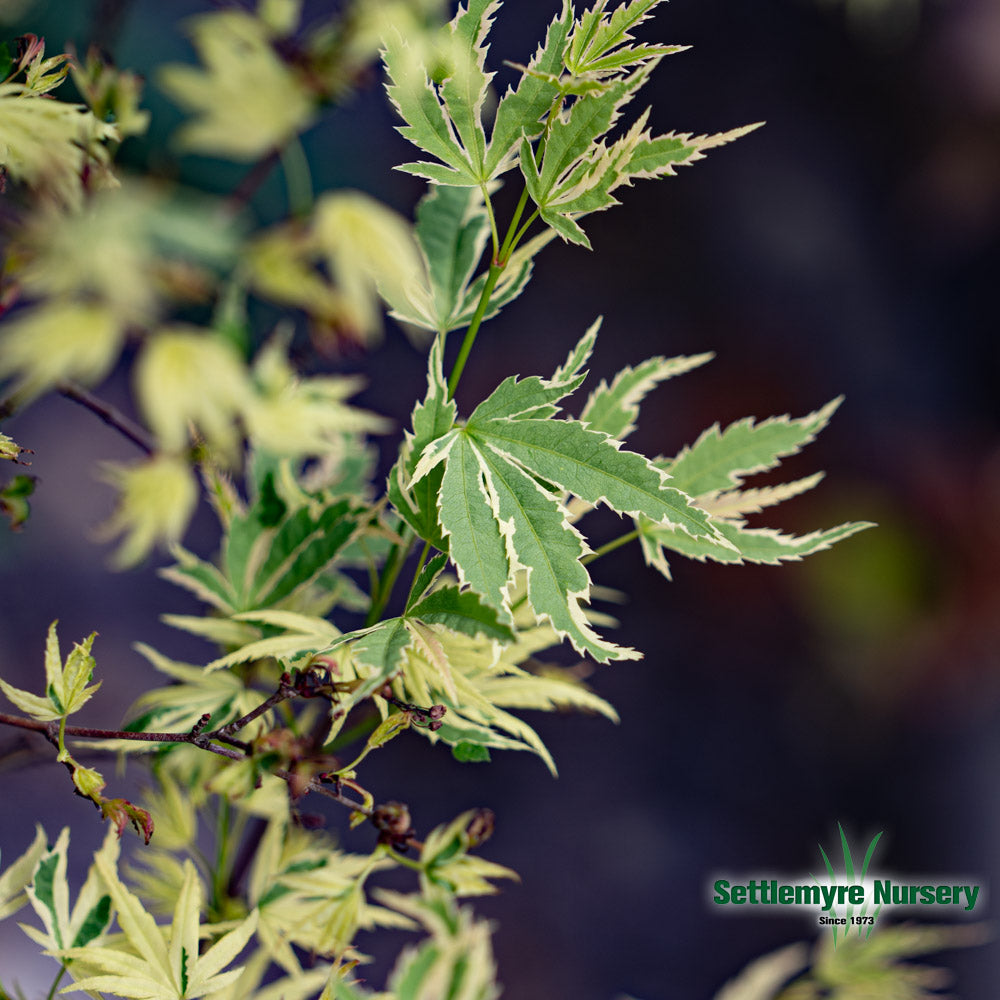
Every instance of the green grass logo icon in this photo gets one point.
(855, 918)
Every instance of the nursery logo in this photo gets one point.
(849, 899)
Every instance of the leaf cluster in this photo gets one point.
(553, 124)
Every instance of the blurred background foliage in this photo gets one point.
(852, 245)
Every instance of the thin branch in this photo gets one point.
(285, 691)
(195, 738)
(50, 729)
(111, 416)
(247, 187)
(330, 791)
(329, 787)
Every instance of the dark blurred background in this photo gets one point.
(850, 246)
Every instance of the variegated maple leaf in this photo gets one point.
(570, 96)
(500, 502)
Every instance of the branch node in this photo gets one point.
(199, 727)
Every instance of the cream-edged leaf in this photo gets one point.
(42, 709)
(540, 539)
(720, 460)
(465, 88)
(469, 522)
(428, 125)
(291, 646)
(66, 687)
(461, 612)
(138, 926)
(367, 248)
(186, 377)
(184, 928)
(522, 689)
(614, 409)
(591, 466)
(457, 959)
(452, 229)
(247, 100)
(521, 111)
(572, 131)
(52, 145)
(433, 455)
(209, 965)
(660, 156)
(499, 504)
(194, 692)
(17, 876)
(56, 340)
(156, 499)
(736, 503)
(201, 578)
(67, 684)
(223, 631)
(753, 545)
(598, 43)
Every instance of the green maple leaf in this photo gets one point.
(713, 470)
(445, 122)
(746, 545)
(432, 418)
(719, 460)
(598, 44)
(521, 110)
(569, 96)
(452, 229)
(501, 505)
(614, 408)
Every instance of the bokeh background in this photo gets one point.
(851, 246)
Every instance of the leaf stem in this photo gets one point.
(56, 982)
(497, 265)
(524, 228)
(298, 180)
(220, 877)
(393, 565)
(470, 335)
(513, 236)
(402, 859)
(615, 543)
(399, 553)
(494, 234)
